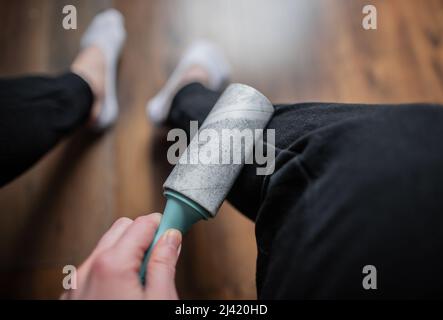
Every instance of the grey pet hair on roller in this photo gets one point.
(195, 190)
(240, 107)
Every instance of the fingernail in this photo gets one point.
(157, 216)
(173, 237)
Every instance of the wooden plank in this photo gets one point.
(307, 50)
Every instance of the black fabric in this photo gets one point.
(35, 112)
(354, 185)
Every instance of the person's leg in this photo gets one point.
(362, 190)
(194, 102)
(36, 112)
(196, 95)
(354, 185)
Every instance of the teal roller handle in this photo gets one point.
(180, 213)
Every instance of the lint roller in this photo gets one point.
(196, 189)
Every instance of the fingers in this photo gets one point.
(161, 266)
(107, 241)
(112, 270)
(113, 234)
(109, 238)
(136, 239)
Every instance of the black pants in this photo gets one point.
(35, 113)
(354, 185)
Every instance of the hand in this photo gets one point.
(111, 271)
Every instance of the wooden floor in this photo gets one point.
(292, 50)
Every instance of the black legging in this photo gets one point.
(354, 185)
(35, 113)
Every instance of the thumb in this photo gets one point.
(160, 278)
